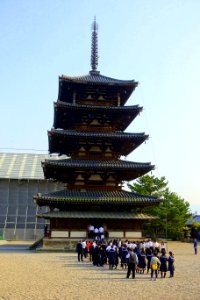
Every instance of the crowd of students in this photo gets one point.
(135, 257)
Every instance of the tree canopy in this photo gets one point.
(172, 213)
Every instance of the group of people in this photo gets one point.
(135, 257)
(97, 233)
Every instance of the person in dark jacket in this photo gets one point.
(132, 261)
(163, 265)
(79, 250)
(171, 264)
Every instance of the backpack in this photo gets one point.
(133, 258)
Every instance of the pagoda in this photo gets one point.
(89, 138)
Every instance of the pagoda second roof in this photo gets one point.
(94, 215)
(94, 77)
(66, 197)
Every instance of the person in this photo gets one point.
(101, 233)
(79, 250)
(96, 234)
(122, 254)
(195, 246)
(84, 246)
(111, 257)
(142, 261)
(154, 266)
(149, 255)
(132, 261)
(91, 231)
(171, 267)
(163, 265)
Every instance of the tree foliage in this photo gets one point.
(172, 213)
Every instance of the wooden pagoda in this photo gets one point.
(90, 118)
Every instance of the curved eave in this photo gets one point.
(81, 84)
(66, 197)
(66, 115)
(97, 78)
(68, 141)
(95, 215)
(64, 170)
(86, 107)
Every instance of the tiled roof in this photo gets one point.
(96, 77)
(95, 107)
(107, 197)
(22, 165)
(95, 215)
(121, 135)
(96, 164)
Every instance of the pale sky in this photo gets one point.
(154, 42)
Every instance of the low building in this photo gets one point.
(21, 177)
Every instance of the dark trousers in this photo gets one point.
(131, 269)
(80, 256)
(152, 272)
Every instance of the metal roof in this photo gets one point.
(95, 215)
(22, 165)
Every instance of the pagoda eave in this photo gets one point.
(71, 197)
(95, 215)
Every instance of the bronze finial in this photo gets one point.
(94, 46)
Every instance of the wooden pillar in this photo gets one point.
(118, 99)
(74, 97)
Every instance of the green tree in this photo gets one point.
(172, 213)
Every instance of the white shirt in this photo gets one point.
(101, 229)
(83, 244)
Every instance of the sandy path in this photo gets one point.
(59, 276)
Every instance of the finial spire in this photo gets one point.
(94, 47)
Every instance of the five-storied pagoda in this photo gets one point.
(90, 118)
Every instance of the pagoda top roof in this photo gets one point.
(94, 77)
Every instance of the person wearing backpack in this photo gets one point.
(132, 261)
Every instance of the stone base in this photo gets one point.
(58, 244)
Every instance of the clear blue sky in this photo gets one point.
(154, 42)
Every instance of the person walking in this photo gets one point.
(132, 261)
(195, 246)
(79, 250)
